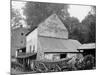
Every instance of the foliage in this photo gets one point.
(83, 31)
(87, 63)
(17, 66)
(37, 12)
(90, 28)
(15, 17)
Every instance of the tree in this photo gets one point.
(90, 27)
(15, 17)
(73, 25)
(36, 12)
(85, 31)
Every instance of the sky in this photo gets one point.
(77, 11)
(19, 6)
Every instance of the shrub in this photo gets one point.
(87, 63)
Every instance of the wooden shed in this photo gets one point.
(89, 48)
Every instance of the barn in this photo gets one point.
(50, 40)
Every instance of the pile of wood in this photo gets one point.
(50, 66)
(84, 63)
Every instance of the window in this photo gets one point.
(22, 34)
(62, 56)
(81, 51)
(20, 51)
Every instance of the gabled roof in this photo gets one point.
(88, 46)
(50, 44)
(31, 30)
(53, 27)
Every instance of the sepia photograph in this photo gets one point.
(52, 37)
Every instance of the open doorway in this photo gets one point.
(63, 56)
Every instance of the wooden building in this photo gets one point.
(48, 42)
(18, 39)
(88, 49)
